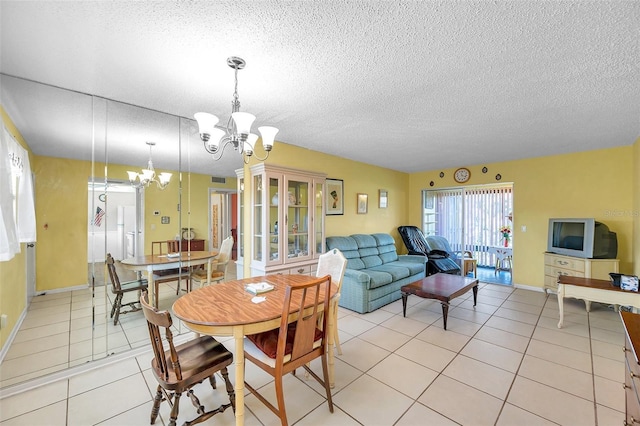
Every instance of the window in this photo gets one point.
(470, 218)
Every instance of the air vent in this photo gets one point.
(215, 179)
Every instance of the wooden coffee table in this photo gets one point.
(442, 287)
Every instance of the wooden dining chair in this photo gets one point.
(333, 263)
(178, 368)
(282, 350)
(119, 289)
(219, 265)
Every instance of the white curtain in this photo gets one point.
(17, 212)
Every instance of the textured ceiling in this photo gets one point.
(410, 86)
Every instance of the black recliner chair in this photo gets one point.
(438, 260)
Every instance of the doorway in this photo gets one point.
(223, 218)
(477, 219)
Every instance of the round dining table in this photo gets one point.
(228, 309)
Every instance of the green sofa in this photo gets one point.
(375, 272)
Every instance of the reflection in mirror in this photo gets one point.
(82, 147)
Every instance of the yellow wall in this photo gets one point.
(61, 207)
(636, 207)
(13, 281)
(594, 184)
(358, 178)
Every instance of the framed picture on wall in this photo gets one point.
(383, 198)
(363, 203)
(334, 197)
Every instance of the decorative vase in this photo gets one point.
(274, 199)
(506, 240)
(292, 198)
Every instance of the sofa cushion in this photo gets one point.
(378, 278)
(349, 249)
(386, 247)
(368, 249)
(397, 272)
(413, 267)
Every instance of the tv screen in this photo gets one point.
(582, 237)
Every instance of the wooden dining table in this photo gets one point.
(160, 262)
(227, 309)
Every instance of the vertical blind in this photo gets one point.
(471, 218)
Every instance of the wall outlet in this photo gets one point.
(3, 320)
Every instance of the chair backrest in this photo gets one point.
(155, 320)
(168, 246)
(414, 240)
(439, 243)
(306, 327)
(113, 275)
(224, 255)
(332, 263)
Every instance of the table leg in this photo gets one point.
(404, 304)
(238, 334)
(445, 312)
(561, 304)
(475, 294)
(587, 305)
(151, 288)
(332, 339)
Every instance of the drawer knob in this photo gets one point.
(625, 386)
(301, 270)
(633, 375)
(633, 421)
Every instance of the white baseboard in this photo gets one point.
(12, 335)
(62, 290)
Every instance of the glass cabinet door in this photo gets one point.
(259, 211)
(274, 199)
(240, 235)
(318, 225)
(298, 214)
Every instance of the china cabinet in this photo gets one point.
(287, 220)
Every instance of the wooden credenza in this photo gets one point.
(631, 324)
(557, 264)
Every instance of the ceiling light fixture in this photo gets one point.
(148, 175)
(238, 129)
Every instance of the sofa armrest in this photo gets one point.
(416, 258)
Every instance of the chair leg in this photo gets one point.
(230, 391)
(156, 405)
(118, 305)
(212, 380)
(175, 409)
(113, 308)
(282, 412)
(325, 374)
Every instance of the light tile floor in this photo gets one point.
(504, 362)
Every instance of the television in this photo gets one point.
(582, 237)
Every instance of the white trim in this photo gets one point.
(63, 290)
(12, 335)
(529, 287)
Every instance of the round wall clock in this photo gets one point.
(462, 175)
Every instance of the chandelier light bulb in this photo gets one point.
(206, 123)
(243, 122)
(268, 134)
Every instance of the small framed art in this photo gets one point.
(363, 203)
(383, 198)
(334, 196)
